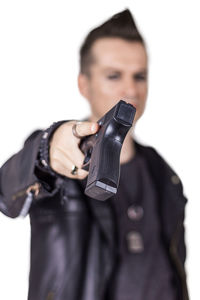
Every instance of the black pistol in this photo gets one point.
(102, 151)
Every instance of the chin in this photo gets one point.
(137, 117)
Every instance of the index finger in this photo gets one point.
(86, 128)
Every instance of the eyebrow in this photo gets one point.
(112, 69)
(144, 71)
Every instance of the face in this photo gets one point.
(119, 72)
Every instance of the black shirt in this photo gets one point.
(144, 271)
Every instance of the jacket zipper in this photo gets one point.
(30, 192)
(34, 188)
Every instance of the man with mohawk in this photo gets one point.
(130, 247)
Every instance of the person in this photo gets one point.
(130, 246)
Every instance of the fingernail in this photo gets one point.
(93, 127)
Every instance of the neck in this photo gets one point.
(128, 149)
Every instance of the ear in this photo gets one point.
(83, 85)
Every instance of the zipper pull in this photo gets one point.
(32, 191)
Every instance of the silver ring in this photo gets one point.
(74, 131)
(74, 170)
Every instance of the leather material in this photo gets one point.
(73, 238)
(71, 257)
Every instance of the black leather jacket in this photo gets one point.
(73, 245)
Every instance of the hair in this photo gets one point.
(121, 25)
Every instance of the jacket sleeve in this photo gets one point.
(19, 174)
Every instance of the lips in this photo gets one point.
(131, 101)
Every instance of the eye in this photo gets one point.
(140, 77)
(113, 76)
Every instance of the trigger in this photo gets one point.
(86, 162)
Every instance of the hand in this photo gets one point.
(64, 148)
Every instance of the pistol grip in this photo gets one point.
(104, 169)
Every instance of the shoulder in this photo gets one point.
(152, 155)
(160, 169)
(33, 135)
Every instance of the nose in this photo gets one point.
(129, 89)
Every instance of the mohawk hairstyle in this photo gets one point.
(121, 25)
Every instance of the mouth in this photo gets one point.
(132, 102)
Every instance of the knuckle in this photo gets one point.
(83, 128)
(54, 163)
(79, 163)
(54, 157)
(81, 176)
(80, 130)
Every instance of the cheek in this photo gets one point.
(143, 95)
(108, 89)
(142, 101)
(104, 94)
(143, 88)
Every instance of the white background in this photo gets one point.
(39, 42)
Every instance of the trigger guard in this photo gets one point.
(87, 158)
(86, 166)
